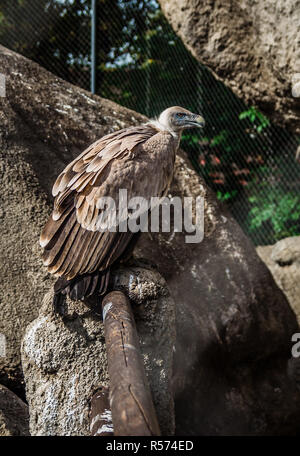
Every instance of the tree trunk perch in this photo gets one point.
(132, 409)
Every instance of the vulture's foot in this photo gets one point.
(88, 288)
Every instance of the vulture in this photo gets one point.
(140, 159)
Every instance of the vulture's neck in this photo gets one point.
(162, 127)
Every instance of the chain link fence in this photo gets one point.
(143, 65)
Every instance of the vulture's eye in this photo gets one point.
(180, 115)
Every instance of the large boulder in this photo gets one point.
(251, 45)
(283, 260)
(233, 323)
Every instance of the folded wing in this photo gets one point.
(73, 244)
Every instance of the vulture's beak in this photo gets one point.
(195, 120)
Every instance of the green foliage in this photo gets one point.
(274, 198)
(281, 209)
(221, 138)
(256, 118)
(226, 196)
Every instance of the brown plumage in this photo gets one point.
(139, 159)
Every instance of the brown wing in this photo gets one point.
(72, 242)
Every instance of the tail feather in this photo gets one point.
(59, 303)
(79, 288)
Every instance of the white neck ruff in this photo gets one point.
(161, 126)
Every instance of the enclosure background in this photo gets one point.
(143, 65)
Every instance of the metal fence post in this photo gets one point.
(93, 46)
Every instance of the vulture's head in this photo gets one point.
(176, 119)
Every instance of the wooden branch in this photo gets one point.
(100, 415)
(131, 403)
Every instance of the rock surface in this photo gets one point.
(283, 260)
(251, 45)
(233, 323)
(64, 360)
(14, 416)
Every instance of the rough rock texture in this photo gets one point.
(233, 323)
(14, 416)
(283, 260)
(64, 360)
(251, 45)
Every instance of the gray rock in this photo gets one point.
(251, 45)
(283, 260)
(14, 416)
(64, 360)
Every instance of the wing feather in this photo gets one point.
(81, 258)
(50, 230)
(78, 255)
(63, 257)
(61, 239)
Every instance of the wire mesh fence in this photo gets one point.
(143, 65)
